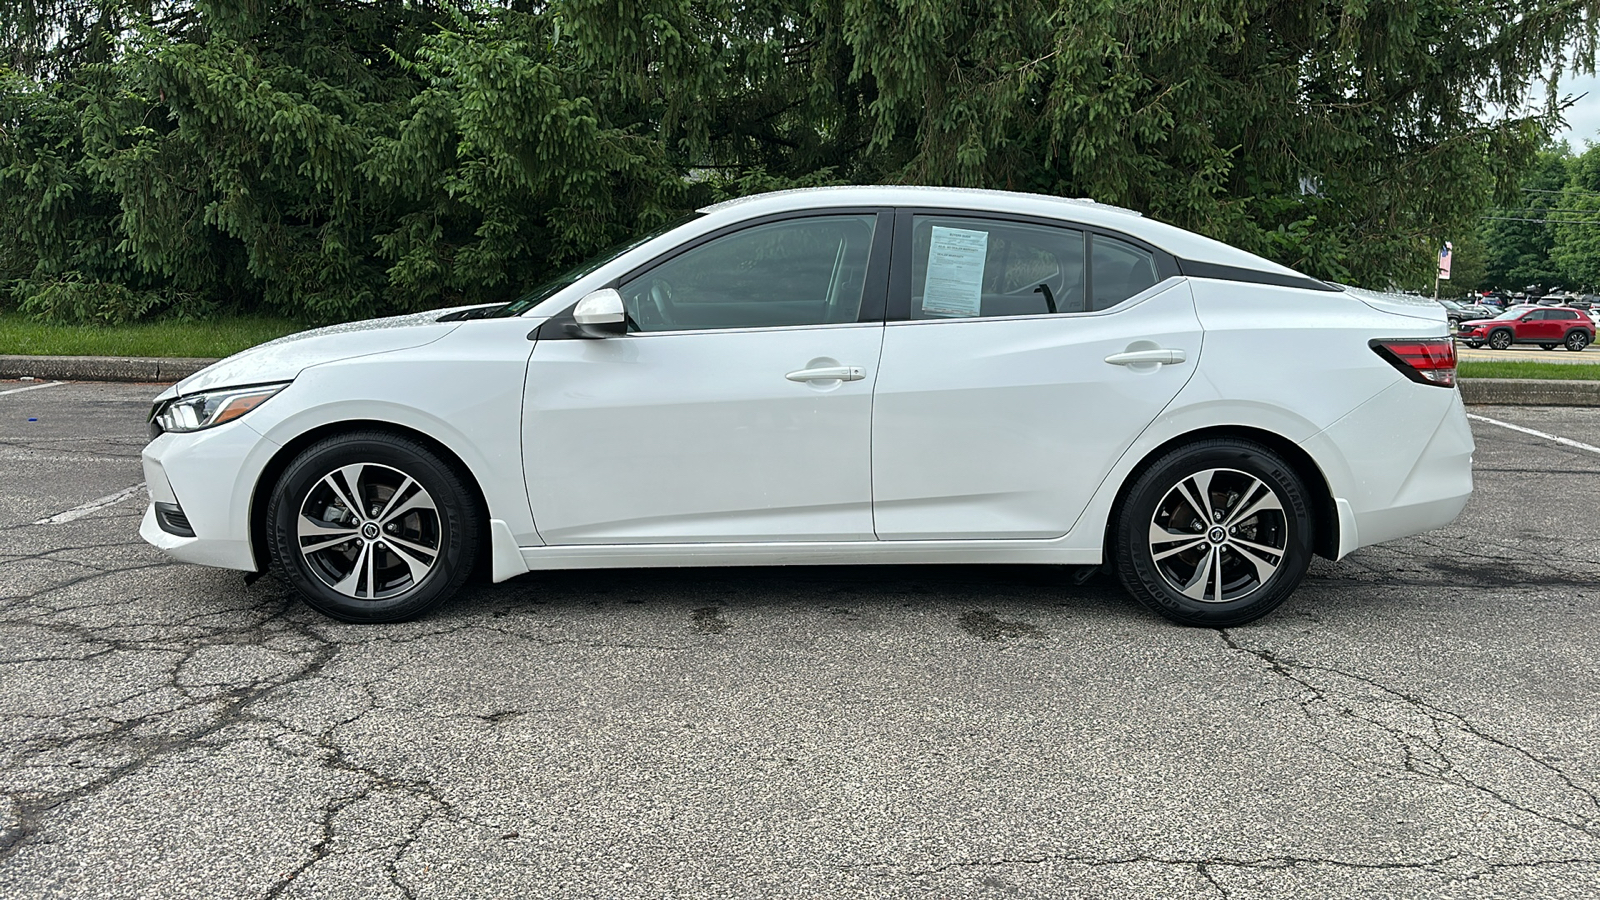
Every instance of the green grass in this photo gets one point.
(1542, 371)
(221, 337)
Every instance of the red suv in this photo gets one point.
(1546, 326)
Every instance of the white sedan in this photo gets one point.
(839, 375)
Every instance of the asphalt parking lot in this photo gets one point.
(1421, 720)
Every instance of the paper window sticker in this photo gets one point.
(954, 282)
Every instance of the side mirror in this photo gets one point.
(599, 314)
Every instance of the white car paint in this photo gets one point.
(1003, 428)
(699, 436)
(993, 440)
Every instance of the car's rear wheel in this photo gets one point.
(1500, 340)
(1577, 340)
(1215, 533)
(372, 527)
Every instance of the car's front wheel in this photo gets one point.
(1500, 340)
(372, 527)
(1577, 340)
(1214, 533)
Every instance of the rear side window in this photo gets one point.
(1119, 271)
(964, 268)
(981, 268)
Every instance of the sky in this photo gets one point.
(1583, 119)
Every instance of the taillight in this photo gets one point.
(1423, 360)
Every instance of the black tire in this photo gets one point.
(402, 560)
(1576, 340)
(1473, 344)
(1248, 583)
(1500, 340)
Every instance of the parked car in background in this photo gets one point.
(1458, 312)
(836, 376)
(1548, 326)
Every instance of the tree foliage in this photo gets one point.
(1518, 237)
(329, 159)
(1547, 236)
(1575, 241)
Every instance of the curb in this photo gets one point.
(101, 368)
(1528, 392)
(1474, 391)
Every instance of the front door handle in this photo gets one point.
(828, 373)
(1160, 357)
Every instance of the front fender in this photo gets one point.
(463, 391)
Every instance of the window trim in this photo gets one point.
(1220, 272)
(901, 274)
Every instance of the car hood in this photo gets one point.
(286, 357)
(1476, 322)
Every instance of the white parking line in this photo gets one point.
(31, 387)
(78, 512)
(1549, 437)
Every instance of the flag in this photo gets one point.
(1444, 261)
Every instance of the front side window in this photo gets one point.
(808, 271)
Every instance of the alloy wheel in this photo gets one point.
(1218, 535)
(369, 531)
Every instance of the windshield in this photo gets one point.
(1512, 313)
(549, 288)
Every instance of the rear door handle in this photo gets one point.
(828, 373)
(1161, 357)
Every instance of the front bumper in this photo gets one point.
(211, 476)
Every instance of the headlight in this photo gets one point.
(197, 411)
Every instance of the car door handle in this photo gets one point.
(828, 373)
(1161, 357)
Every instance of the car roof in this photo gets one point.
(1177, 241)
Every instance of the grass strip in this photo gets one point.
(219, 337)
(1542, 371)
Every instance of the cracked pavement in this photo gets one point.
(1419, 720)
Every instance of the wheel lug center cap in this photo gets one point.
(370, 531)
(1217, 535)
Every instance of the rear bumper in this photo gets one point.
(1412, 446)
